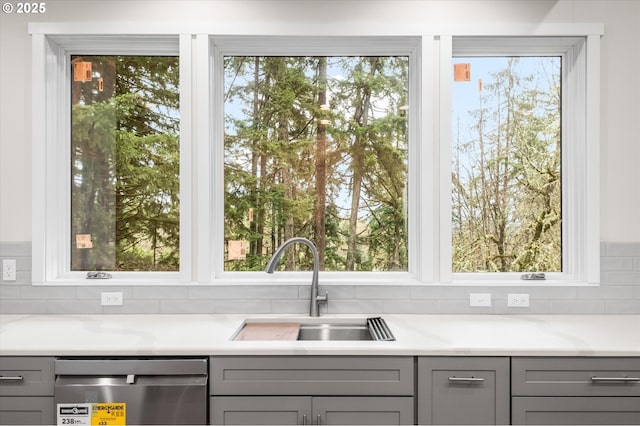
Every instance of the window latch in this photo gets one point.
(98, 275)
(536, 276)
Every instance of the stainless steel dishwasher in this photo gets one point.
(149, 390)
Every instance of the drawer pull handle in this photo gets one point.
(12, 378)
(615, 379)
(466, 379)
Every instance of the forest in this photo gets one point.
(506, 168)
(317, 147)
(314, 147)
(125, 200)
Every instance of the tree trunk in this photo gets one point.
(321, 167)
(361, 120)
(254, 197)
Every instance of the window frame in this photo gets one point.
(221, 46)
(580, 151)
(200, 48)
(51, 142)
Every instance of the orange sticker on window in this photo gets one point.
(82, 71)
(461, 72)
(84, 241)
(237, 250)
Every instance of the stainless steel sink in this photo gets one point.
(334, 332)
(364, 329)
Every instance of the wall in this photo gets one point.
(619, 293)
(620, 152)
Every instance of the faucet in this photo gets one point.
(315, 299)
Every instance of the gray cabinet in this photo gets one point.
(576, 411)
(299, 410)
(311, 390)
(376, 410)
(463, 390)
(31, 410)
(26, 390)
(571, 390)
(260, 410)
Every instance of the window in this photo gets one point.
(316, 147)
(518, 196)
(506, 164)
(125, 163)
(292, 113)
(229, 164)
(110, 148)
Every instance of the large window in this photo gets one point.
(316, 147)
(407, 159)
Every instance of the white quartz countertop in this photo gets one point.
(451, 335)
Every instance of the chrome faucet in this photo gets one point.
(315, 299)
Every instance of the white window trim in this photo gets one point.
(51, 147)
(580, 153)
(221, 46)
(201, 213)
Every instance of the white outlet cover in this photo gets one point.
(518, 300)
(111, 298)
(480, 299)
(9, 269)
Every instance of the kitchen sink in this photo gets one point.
(365, 329)
(334, 332)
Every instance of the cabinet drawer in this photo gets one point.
(575, 376)
(21, 376)
(311, 375)
(595, 410)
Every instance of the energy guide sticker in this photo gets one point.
(108, 414)
(74, 414)
(101, 414)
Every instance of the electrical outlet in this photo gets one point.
(111, 298)
(9, 269)
(480, 299)
(518, 300)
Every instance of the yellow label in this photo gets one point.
(108, 414)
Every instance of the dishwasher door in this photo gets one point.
(153, 390)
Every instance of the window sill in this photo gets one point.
(111, 282)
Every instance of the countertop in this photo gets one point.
(446, 335)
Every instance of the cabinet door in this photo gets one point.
(372, 410)
(31, 410)
(463, 390)
(260, 410)
(575, 410)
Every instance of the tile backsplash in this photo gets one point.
(618, 293)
